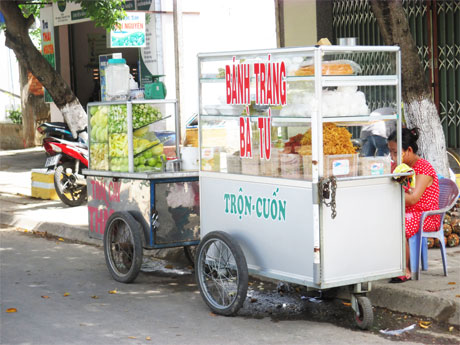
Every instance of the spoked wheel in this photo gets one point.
(123, 247)
(365, 318)
(222, 273)
(67, 189)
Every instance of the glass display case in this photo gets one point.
(273, 113)
(132, 136)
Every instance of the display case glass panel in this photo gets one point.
(153, 135)
(257, 109)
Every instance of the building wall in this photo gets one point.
(9, 81)
(300, 23)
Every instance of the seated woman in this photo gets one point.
(423, 197)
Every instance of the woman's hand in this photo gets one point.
(422, 182)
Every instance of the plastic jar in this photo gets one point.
(117, 79)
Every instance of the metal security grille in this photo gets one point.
(435, 26)
(447, 21)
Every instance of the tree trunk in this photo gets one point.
(34, 109)
(419, 108)
(17, 38)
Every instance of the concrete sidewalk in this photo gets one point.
(434, 295)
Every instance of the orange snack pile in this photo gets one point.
(336, 141)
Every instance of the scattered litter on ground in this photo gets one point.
(162, 266)
(398, 331)
(311, 299)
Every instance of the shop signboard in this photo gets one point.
(47, 41)
(130, 32)
(65, 13)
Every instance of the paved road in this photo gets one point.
(61, 293)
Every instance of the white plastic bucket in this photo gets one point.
(117, 80)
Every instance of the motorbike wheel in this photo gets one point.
(66, 187)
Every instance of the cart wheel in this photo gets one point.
(222, 273)
(123, 247)
(366, 316)
(190, 253)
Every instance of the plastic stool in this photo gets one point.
(414, 242)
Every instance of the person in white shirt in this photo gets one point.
(374, 136)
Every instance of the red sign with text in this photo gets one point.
(270, 89)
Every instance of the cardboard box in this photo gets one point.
(374, 166)
(291, 165)
(251, 166)
(43, 184)
(336, 165)
(271, 167)
(233, 164)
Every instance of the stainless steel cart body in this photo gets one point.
(173, 198)
(272, 220)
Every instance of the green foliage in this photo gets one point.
(15, 115)
(104, 13)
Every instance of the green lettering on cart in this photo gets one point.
(269, 208)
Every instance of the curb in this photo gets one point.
(414, 302)
(77, 233)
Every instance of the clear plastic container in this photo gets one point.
(117, 79)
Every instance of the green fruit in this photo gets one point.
(94, 133)
(151, 162)
(157, 150)
(93, 121)
(93, 110)
(148, 154)
(141, 160)
(141, 131)
(136, 161)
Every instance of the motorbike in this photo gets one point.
(68, 156)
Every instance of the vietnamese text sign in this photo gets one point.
(47, 40)
(130, 33)
(68, 13)
(270, 90)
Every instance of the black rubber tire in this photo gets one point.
(190, 254)
(76, 196)
(229, 268)
(131, 252)
(366, 317)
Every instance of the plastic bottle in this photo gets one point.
(117, 78)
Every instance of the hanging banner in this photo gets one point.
(130, 32)
(148, 59)
(65, 13)
(47, 41)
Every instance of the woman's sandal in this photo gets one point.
(401, 279)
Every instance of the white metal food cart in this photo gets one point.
(137, 197)
(314, 219)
